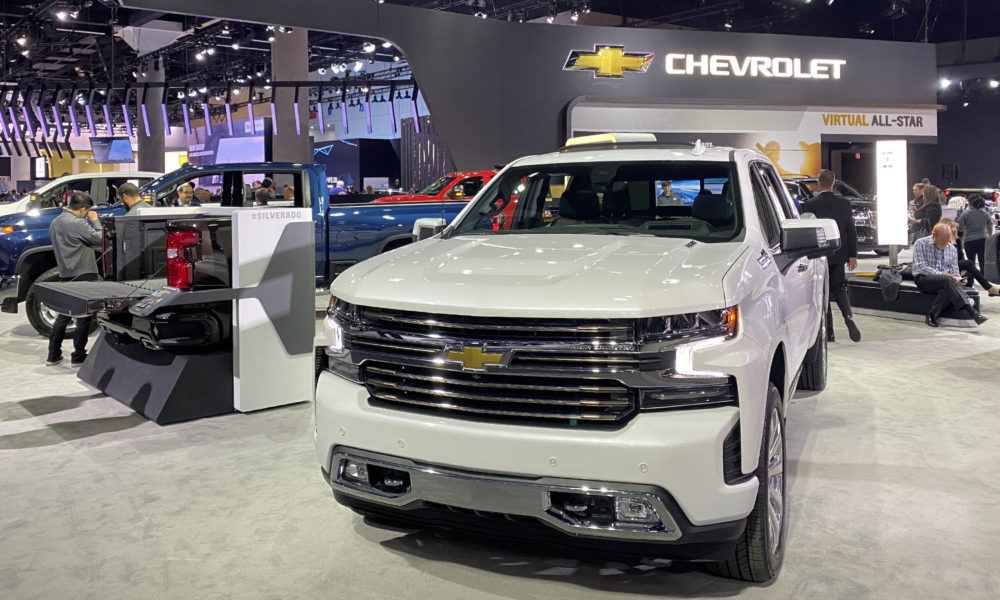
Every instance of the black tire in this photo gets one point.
(813, 377)
(39, 315)
(756, 557)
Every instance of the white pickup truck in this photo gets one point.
(608, 367)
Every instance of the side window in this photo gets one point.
(471, 186)
(113, 184)
(280, 190)
(776, 190)
(769, 223)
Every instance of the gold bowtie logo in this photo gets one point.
(472, 357)
(608, 61)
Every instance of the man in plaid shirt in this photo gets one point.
(935, 271)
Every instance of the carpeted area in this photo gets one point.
(893, 488)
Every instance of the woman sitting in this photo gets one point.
(968, 267)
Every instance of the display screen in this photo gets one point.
(240, 149)
(682, 192)
(111, 149)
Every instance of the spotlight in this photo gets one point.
(218, 98)
(364, 88)
(192, 93)
(480, 14)
(235, 45)
(225, 29)
(267, 87)
(210, 51)
(395, 59)
(134, 74)
(368, 47)
(81, 100)
(343, 67)
(270, 37)
(203, 90)
(945, 83)
(358, 65)
(25, 52)
(586, 8)
(236, 91)
(728, 25)
(200, 56)
(387, 44)
(965, 104)
(62, 14)
(74, 13)
(829, 2)
(260, 73)
(994, 84)
(180, 95)
(321, 71)
(550, 19)
(574, 16)
(282, 29)
(22, 39)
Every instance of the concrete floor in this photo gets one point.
(893, 490)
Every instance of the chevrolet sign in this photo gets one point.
(719, 65)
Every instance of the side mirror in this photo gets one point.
(427, 227)
(811, 238)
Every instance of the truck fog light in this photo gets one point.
(635, 509)
(356, 472)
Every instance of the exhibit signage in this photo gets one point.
(892, 192)
(718, 65)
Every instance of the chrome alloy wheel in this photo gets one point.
(775, 483)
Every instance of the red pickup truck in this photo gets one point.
(453, 186)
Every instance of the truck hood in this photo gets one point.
(12, 208)
(536, 275)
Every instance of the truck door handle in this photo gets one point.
(802, 267)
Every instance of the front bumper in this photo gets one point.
(675, 456)
(9, 288)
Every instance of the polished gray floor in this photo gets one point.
(893, 484)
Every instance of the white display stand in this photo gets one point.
(273, 315)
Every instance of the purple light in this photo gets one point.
(274, 121)
(187, 120)
(27, 122)
(128, 121)
(55, 114)
(43, 126)
(416, 117)
(166, 120)
(145, 119)
(253, 126)
(343, 114)
(107, 119)
(90, 120)
(368, 114)
(298, 126)
(72, 119)
(319, 116)
(208, 121)
(229, 117)
(13, 124)
(392, 112)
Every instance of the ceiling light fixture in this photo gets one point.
(945, 83)
(368, 47)
(387, 44)
(358, 65)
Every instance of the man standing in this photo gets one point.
(827, 205)
(667, 196)
(74, 242)
(935, 271)
(128, 193)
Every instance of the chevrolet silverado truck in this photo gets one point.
(453, 186)
(616, 377)
(345, 233)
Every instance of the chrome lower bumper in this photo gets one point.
(585, 508)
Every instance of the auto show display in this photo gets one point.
(230, 327)
(536, 376)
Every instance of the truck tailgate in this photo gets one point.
(82, 298)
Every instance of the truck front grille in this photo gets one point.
(486, 329)
(499, 395)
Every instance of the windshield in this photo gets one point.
(436, 187)
(690, 200)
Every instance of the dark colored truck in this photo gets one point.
(345, 233)
(865, 215)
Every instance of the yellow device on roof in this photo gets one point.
(611, 138)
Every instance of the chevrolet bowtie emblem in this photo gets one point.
(472, 357)
(608, 61)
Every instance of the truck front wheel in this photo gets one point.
(813, 376)
(41, 317)
(759, 553)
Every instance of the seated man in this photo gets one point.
(935, 271)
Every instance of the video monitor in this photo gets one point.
(111, 149)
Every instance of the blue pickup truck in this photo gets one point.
(346, 233)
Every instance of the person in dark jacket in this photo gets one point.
(128, 193)
(827, 205)
(75, 235)
(929, 213)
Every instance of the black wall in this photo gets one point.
(498, 91)
(967, 138)
(379, 158)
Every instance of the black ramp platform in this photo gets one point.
(80, 298)
(163, 387)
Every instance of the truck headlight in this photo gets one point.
(334, 335)
(724, 323)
